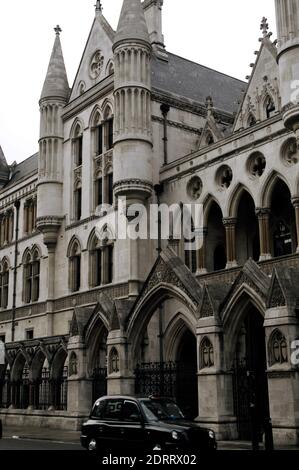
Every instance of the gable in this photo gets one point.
(97, 56)
(263, 82)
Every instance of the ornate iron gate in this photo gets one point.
(99, 383)
(168, 379)
(243, 398)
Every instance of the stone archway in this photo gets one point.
(187, 387)
(250, 385)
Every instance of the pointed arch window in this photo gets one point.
(206, 353)
(75, 267)
(4, 284)
(190, 249)
(78, 146)
(32, 277)
(251, 120)
(108, 128)
(269, 107)
(6, 227)
(114, 361)
(209, 139)
(78, 200)
(101, 261)
(278, 348)
(30, 210)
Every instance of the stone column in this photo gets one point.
(121, 380)
(263, 215)
(79, 395)
(230, 229)
(295, 202)
(215, 386)
(201, 253)
(283, 375)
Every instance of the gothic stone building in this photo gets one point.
(82, 316)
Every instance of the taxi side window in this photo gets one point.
(98, 409)
(131, 412)
(112, 410)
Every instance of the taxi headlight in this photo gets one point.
(175, 435)
(211, 435)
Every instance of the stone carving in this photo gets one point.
(73, 365)
(194, 188)
(96, 64)
(206, 309)
(277, 298)
(289, 152)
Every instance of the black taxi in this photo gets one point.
(147, 424)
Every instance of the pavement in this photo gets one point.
(73, 437)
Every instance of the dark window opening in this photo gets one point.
(110, 188)
(78, 204)
(29, 334)
(220, 258)
(110, 134)
(79, 150)
(99, 140)
(110, 265)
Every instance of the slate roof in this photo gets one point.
(23, 170)
(194, 81)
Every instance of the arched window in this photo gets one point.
(101, 260)
(78, 200)
(109, 186)
(113, 361)
(206, 354)
(30, 209)
(251, 120)
(278, 350)
(6, 227)
(190, 249)
(78, 146)
(4, 282)
(75, 266)
(108, 128)
(209, 139)
(269, 107)
(282, 221)
(31, 276)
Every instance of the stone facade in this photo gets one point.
(82, 317)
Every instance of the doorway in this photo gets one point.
(251, 397)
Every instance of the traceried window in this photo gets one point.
(30, 208)
(4, 284)
(206, 353)
(101, 254)
(32, 276)
(78, 146)
(75, 266)
(269, 107)
(278, 350)
(6, 227)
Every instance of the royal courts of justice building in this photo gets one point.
(84, 315)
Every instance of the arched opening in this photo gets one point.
(5, 387)
(97, 359)
(282, 222)
(165, 356)
(216, 240)
(20, 383)
(251, 398)
(59, 380)
(186, 393)
(247, 230)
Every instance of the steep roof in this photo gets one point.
(56, 82)
(132, 24)
(23, 170)
(194, 81)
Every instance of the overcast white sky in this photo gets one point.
(221, 34)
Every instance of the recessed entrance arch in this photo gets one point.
(250, 385)
(165, 352)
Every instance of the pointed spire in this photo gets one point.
(99, 7)
(56, 82)
(132, 24)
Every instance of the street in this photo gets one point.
(35, 444)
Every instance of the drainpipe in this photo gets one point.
(159, 190)
(14, 295)
(165, 110)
